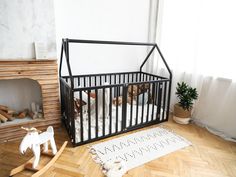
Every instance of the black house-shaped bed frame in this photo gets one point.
(99, 117)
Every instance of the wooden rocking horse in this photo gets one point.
(32, 140)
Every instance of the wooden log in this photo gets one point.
(2, 118)
(22, 114)
(31, 114)
(9, 117)
(3, 108)
(11, 111)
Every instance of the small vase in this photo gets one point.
(181, 115)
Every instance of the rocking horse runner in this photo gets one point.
(33, 139)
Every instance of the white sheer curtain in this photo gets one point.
(198, 40)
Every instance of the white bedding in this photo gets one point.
(107, 120)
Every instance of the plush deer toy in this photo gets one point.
(33, 140)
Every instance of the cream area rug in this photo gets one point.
(121, 154)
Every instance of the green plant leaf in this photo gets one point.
(186, 95)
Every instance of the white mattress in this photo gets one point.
(107, 121)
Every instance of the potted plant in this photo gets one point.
(183, 109)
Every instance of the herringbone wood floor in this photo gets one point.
(209, 156)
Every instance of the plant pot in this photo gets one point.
(181, 115)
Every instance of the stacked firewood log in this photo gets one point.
(8, 114)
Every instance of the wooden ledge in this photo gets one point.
(24, 60)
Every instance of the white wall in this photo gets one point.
(103, 20)
(24, 22)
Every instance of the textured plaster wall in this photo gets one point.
(23, 22)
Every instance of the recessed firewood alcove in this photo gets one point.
(20, 101)
(46, 74)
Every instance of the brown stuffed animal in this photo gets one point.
(78, 105)
(117, 101)
(114, 101)
(77, 102)
(137, 89)
(133, 92)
